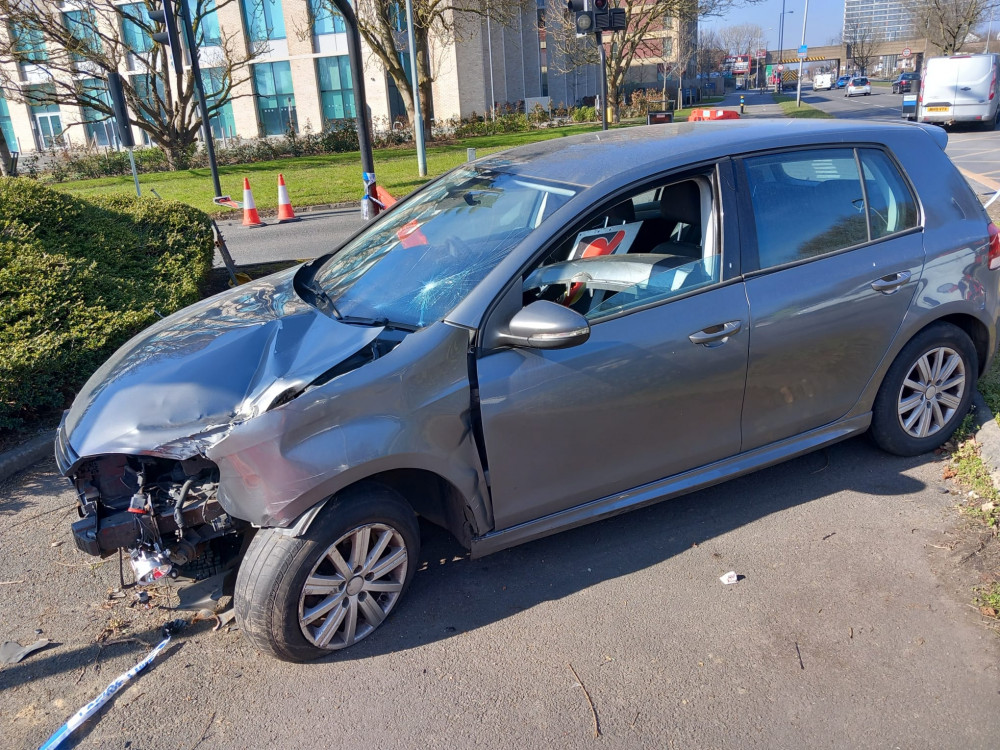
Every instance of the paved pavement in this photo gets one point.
(851, 628)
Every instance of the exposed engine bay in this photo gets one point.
(163, 512)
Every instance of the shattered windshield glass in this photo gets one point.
(417, 264)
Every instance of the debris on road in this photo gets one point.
(586, 694)
(109, 692)
(11, 652)
(729, 578)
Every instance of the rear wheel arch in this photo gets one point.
(976, 330)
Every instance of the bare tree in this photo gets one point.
(382, 25)
(649, 36)
(741, 39)
(947, 24)
(711, 52)
(69, 55)
(862, 39)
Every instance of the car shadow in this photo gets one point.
(453, 594)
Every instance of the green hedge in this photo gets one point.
(78, 278)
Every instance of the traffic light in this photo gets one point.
(122, 124)
(584, 15)
(168, 38)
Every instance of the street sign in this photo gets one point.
(779, 68)
(761, 54)
(803, 52)
(907, 52)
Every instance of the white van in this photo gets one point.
(960, 88)
(822, 81)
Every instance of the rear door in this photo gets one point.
(939, 86)
(831, 268)
(975, 84)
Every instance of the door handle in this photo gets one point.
(717, 333)
(892, 282)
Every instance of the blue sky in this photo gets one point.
(824, 23)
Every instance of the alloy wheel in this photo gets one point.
(931, 392)
(353, 586)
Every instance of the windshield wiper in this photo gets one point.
(383, 322)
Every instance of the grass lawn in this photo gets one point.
(312, 180)
(788, 107)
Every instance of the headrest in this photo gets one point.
(623, 213)
(681, 202)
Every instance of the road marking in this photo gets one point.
(980, 178)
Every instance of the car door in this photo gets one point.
(658, 387)
(831, 266)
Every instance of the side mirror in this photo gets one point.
(545, 325)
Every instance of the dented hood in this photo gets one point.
(182, 383)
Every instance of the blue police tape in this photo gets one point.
(95, 705)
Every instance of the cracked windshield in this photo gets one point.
(418, 263)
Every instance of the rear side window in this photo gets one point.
(806, 204)
(811, 203)
(890, 203)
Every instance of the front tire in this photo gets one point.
(926, 392)
(302, 598)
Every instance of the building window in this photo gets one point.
(98, 126)
(135, 25)
(335, 91)
(29, 46)
(264, 19)
(6, 127)
(222, 121)
(83, 27)
(45, 118)
(325, 19)
(149, 88)
(275, 98)
(206, 30)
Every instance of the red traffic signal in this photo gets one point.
(600, 5)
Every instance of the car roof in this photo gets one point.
(589, 159)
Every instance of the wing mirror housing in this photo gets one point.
(545, 325)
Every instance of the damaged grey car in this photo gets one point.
(541, 339)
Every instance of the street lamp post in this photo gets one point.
(781, 43)
(798, 89)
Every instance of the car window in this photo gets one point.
(628, 254)
(890, 202)
(805, 204)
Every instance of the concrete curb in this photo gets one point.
(25, 455)
(987, 437)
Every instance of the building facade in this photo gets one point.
(300, 72)
(889, 16)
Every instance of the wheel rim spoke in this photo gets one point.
(333, 554)
(924, 425)
(320, 585)
(925, 370)
(383, 541)
(310, 616)
(905, 407)
(351, 626)
(329, 628)
(372, 612)
(390, 563)
(953, 362)
(949, 401)
(359, 547)
(939, 418)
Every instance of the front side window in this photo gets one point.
(418, 263)
(275, 98)
(651, 247)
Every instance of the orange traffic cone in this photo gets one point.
(250, 216)
(285, 212)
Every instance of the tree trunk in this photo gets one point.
(424, 78)
(5, 165)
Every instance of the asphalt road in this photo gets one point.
(851, 627)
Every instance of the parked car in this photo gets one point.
(859, 85)
(906, 83)
(843, 81)
(540, 339)
(960, 88)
